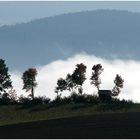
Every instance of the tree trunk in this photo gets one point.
(32, 93)
(57, 95)
(80, 90)
(98, 90)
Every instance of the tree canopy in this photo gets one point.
(95, 80)
(118, 85)
(29, 80)
(74, 80)
(5, 81)
(78, 76)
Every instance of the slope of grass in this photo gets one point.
(124, 125)
(11, 114)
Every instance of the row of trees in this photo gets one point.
(71, 82)
(78, 77)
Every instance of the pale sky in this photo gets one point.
(19, 11)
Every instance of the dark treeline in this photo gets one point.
(72, 83)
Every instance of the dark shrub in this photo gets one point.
(78, 98)
(60, 100)
(66, 100)
(4, 100)
(84, 98)
(92, 99)
(24, 100)
(35, 101)
(115, 104)
(57, 100)
(46, 100)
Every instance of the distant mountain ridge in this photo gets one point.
(106, 33)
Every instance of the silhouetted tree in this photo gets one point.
(70, 84)
(61, 86)
(118, 85)
(77, 78)
(95, 80)
(29, 80)
(5, 81)
(72, 81)
(12, 95)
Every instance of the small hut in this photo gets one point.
(105, 95)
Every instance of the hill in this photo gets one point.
(11, 114)
(105, 33)
(119, 125)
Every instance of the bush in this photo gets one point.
(115, 104)
(35, 101)
(46, 100)
(92, 99)
(57, 100)
(84, 98)
(24, 100)
(66, 100)
(4, 100)
(78, 98)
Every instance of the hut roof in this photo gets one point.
(105, 92)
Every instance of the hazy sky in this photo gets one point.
(13, 12)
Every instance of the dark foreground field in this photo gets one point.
(118, 125)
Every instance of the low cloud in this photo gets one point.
(48, 75)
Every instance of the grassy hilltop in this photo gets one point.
(11, 114)
(70, 121)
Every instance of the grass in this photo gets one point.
(12, 114)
